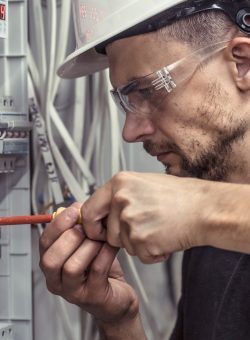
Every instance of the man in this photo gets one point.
(193, 115)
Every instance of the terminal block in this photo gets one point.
(6, 331)
(15, 242)
(14, 134)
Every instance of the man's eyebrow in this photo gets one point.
(129, 80)
(132, 79)
(137, 77)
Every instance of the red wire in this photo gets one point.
(11, 220)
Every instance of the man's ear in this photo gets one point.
(239, 49)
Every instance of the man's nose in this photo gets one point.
(137, 128)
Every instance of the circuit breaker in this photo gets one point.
(5, 332)
(15, 241)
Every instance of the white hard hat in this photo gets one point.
(98, 22)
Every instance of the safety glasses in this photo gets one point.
(144, 95)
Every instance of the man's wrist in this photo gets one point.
(124, 329)
(225, 221)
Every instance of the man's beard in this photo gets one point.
(214, 163)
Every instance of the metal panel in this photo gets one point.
(15, 242)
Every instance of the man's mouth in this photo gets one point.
(165, 156)
(157, 153)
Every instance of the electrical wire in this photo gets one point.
(134, 276)
(33, 71)
(65, 171)
(62, 41)
(88, 327)
(79, 120)
(98, 130)
(34, 189)
(45, 98)
(71, 146)
(44, 145)
(114, 128)
(95, 148)
(65, 321)
(69, 178)
(40, 44)
(95, 121)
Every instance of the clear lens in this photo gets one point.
(118, 100)
(145, 95)
(140, 96)
(139, 100)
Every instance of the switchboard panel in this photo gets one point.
(15, 241)
(6, 331)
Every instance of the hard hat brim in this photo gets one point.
(86, 60)
(82, 62)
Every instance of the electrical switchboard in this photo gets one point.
(15, 241)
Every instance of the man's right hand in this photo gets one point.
(86, 272)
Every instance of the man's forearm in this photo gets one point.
(124, 330)
(225, 219)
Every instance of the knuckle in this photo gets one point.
(44, 242)
(97, 269)
(146, 259)
(94, 234)
(73, 236)
(86, 213)
(127, 217)
(71, 214)
(120, 198)
(137, 237)
(121, 177)
(41, 265)
(130, 251)
(73, 299)
(78, 229)
(56, 290)
(47, 264)
(91, 233)
(71, 268)
(77, 205)
(156, 252)
(112, 240)
(140, 236)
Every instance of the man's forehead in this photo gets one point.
(137, 56)
(135, 44)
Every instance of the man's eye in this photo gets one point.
(146, 92)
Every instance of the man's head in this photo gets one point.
(201, 128)
(196, 120)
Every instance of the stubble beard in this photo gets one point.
(216, 163)
(213, 163)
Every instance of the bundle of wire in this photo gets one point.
(94, 126)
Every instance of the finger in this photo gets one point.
(151, 259)
(113, 227)
(75, 270)
(64, 221)
(125, 239)
(100, 268)
(53, 259)
(118, 230)
(150, 254)
(94, 210)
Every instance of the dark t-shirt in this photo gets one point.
(215, 302)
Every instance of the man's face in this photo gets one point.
(196, 131)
